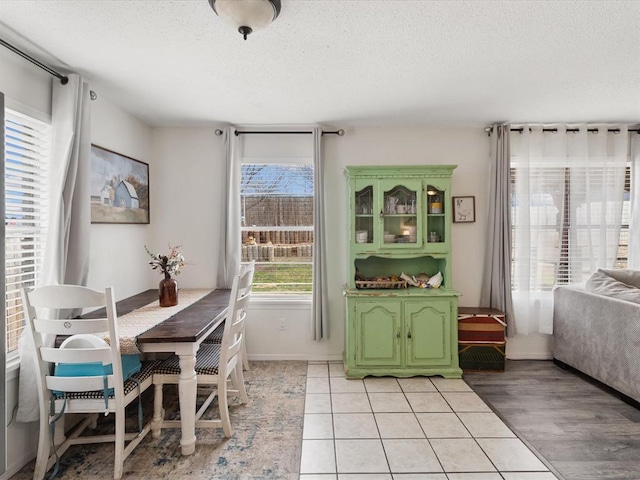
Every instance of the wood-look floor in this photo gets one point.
(584, 430)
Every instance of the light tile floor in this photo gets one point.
(406, 429)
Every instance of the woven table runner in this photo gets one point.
(142, 319)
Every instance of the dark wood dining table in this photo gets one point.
(181, 333)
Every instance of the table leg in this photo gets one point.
(187, 391)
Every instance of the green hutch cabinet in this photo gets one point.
(400, 223)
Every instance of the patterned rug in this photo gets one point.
(265, 444)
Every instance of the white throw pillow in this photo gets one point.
(602, 283)
(630, 277)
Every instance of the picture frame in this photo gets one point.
(464, 209)
(119, 188)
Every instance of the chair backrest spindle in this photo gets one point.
(233, 335)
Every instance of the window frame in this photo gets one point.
(280, 295)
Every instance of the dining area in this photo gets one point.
(189, 369)
(266, 442)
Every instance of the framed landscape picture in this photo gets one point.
(119, 188)
(464, 209)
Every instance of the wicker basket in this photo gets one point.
(371, 284)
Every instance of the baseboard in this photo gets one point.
(15, 465)
(529, 356)
(535, 346)
(295, 356)
(18, 465)
(338, 358)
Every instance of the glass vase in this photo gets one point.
(168, 292)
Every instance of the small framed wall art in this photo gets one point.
(119, 188)
(464, 209)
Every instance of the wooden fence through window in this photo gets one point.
(277, 245)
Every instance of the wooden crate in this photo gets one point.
(481, 325)
(481, 357)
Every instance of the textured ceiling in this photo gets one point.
(347, 62)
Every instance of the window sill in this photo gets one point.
(13, 367)
(279, 301)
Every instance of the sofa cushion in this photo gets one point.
(630, 277)
(602, 283)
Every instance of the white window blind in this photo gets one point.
(622, 260)
(27, 150)
(563, 206)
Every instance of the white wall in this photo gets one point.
(26, 87)
(117, 257)
(186, 199)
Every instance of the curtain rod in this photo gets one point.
(592, 130)
(63, 80)
(340, 132)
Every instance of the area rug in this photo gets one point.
(265, 444)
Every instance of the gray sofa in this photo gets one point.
(596, 329)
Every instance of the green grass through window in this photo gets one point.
(281, 277)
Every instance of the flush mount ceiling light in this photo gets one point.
(247, 15)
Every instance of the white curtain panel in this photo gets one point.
(66, 257)
(592, 166)
(230, 219)
(634, 225)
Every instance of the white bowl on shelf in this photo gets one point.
(362, 236)
(389, 238)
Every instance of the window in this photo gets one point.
(561, 236)
(27, 143)
(277, 224)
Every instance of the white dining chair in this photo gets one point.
(97, 392)
(216, 335)
(218, 366)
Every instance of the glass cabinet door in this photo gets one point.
(436, 230)
(401, 214)
(363, 213)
